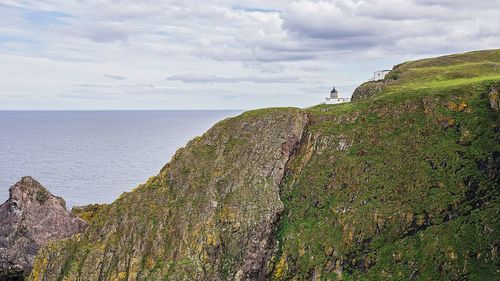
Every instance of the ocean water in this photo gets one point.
(94, 156)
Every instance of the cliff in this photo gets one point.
(29, 218)
(401, 185)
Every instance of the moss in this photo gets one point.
(42, 196)
(88, 212)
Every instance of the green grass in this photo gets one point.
(406, 186)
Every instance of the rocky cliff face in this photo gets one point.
(28, 219)
(401, 186)
(209, 215)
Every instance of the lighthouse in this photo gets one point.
(334, 98)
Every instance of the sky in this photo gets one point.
(220, 54)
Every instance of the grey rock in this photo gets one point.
(29, 218)
(495, 98)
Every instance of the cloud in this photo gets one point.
(204, 78)
(254, 10)
(279, 46)
(115, 77)
(385, 25)
(106, 91)
(47, 17)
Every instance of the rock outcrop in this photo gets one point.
(31, 217)
(367, 90)
(495, 98)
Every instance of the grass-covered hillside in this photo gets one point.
(403, 186)
(400, 185)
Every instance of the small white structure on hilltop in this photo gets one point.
(380, 74)
(334, 98)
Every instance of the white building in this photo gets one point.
(334, 98)
(380, 74)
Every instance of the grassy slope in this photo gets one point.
(401, 186)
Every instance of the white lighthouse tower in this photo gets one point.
(334, 98)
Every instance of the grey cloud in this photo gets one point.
(86, 85)
(463, 4)
(255, 10)
(259, 31)
(115, 77)
(105, 33)
(100, 91)
(387, 25)
(313, 68)
(202, 78)
(402, 10)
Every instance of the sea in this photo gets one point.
(94, 156)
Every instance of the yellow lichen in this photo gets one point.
(398, 256)
(457, 107)
(302, 251)
(451, 254)
(227, 215)
(462, 106)
(452, 106)
(281, 267)
(122, 275)
(211, 240)
(150, 263)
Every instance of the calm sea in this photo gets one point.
(93, 156)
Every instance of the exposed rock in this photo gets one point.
(495, 98)
(216, 206)
(31, 217)
(367, 90)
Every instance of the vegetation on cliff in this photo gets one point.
(402, 185)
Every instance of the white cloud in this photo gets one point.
(283, 48)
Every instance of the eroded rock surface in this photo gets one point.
(367, 90)
(28, 219)
(209, 215)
